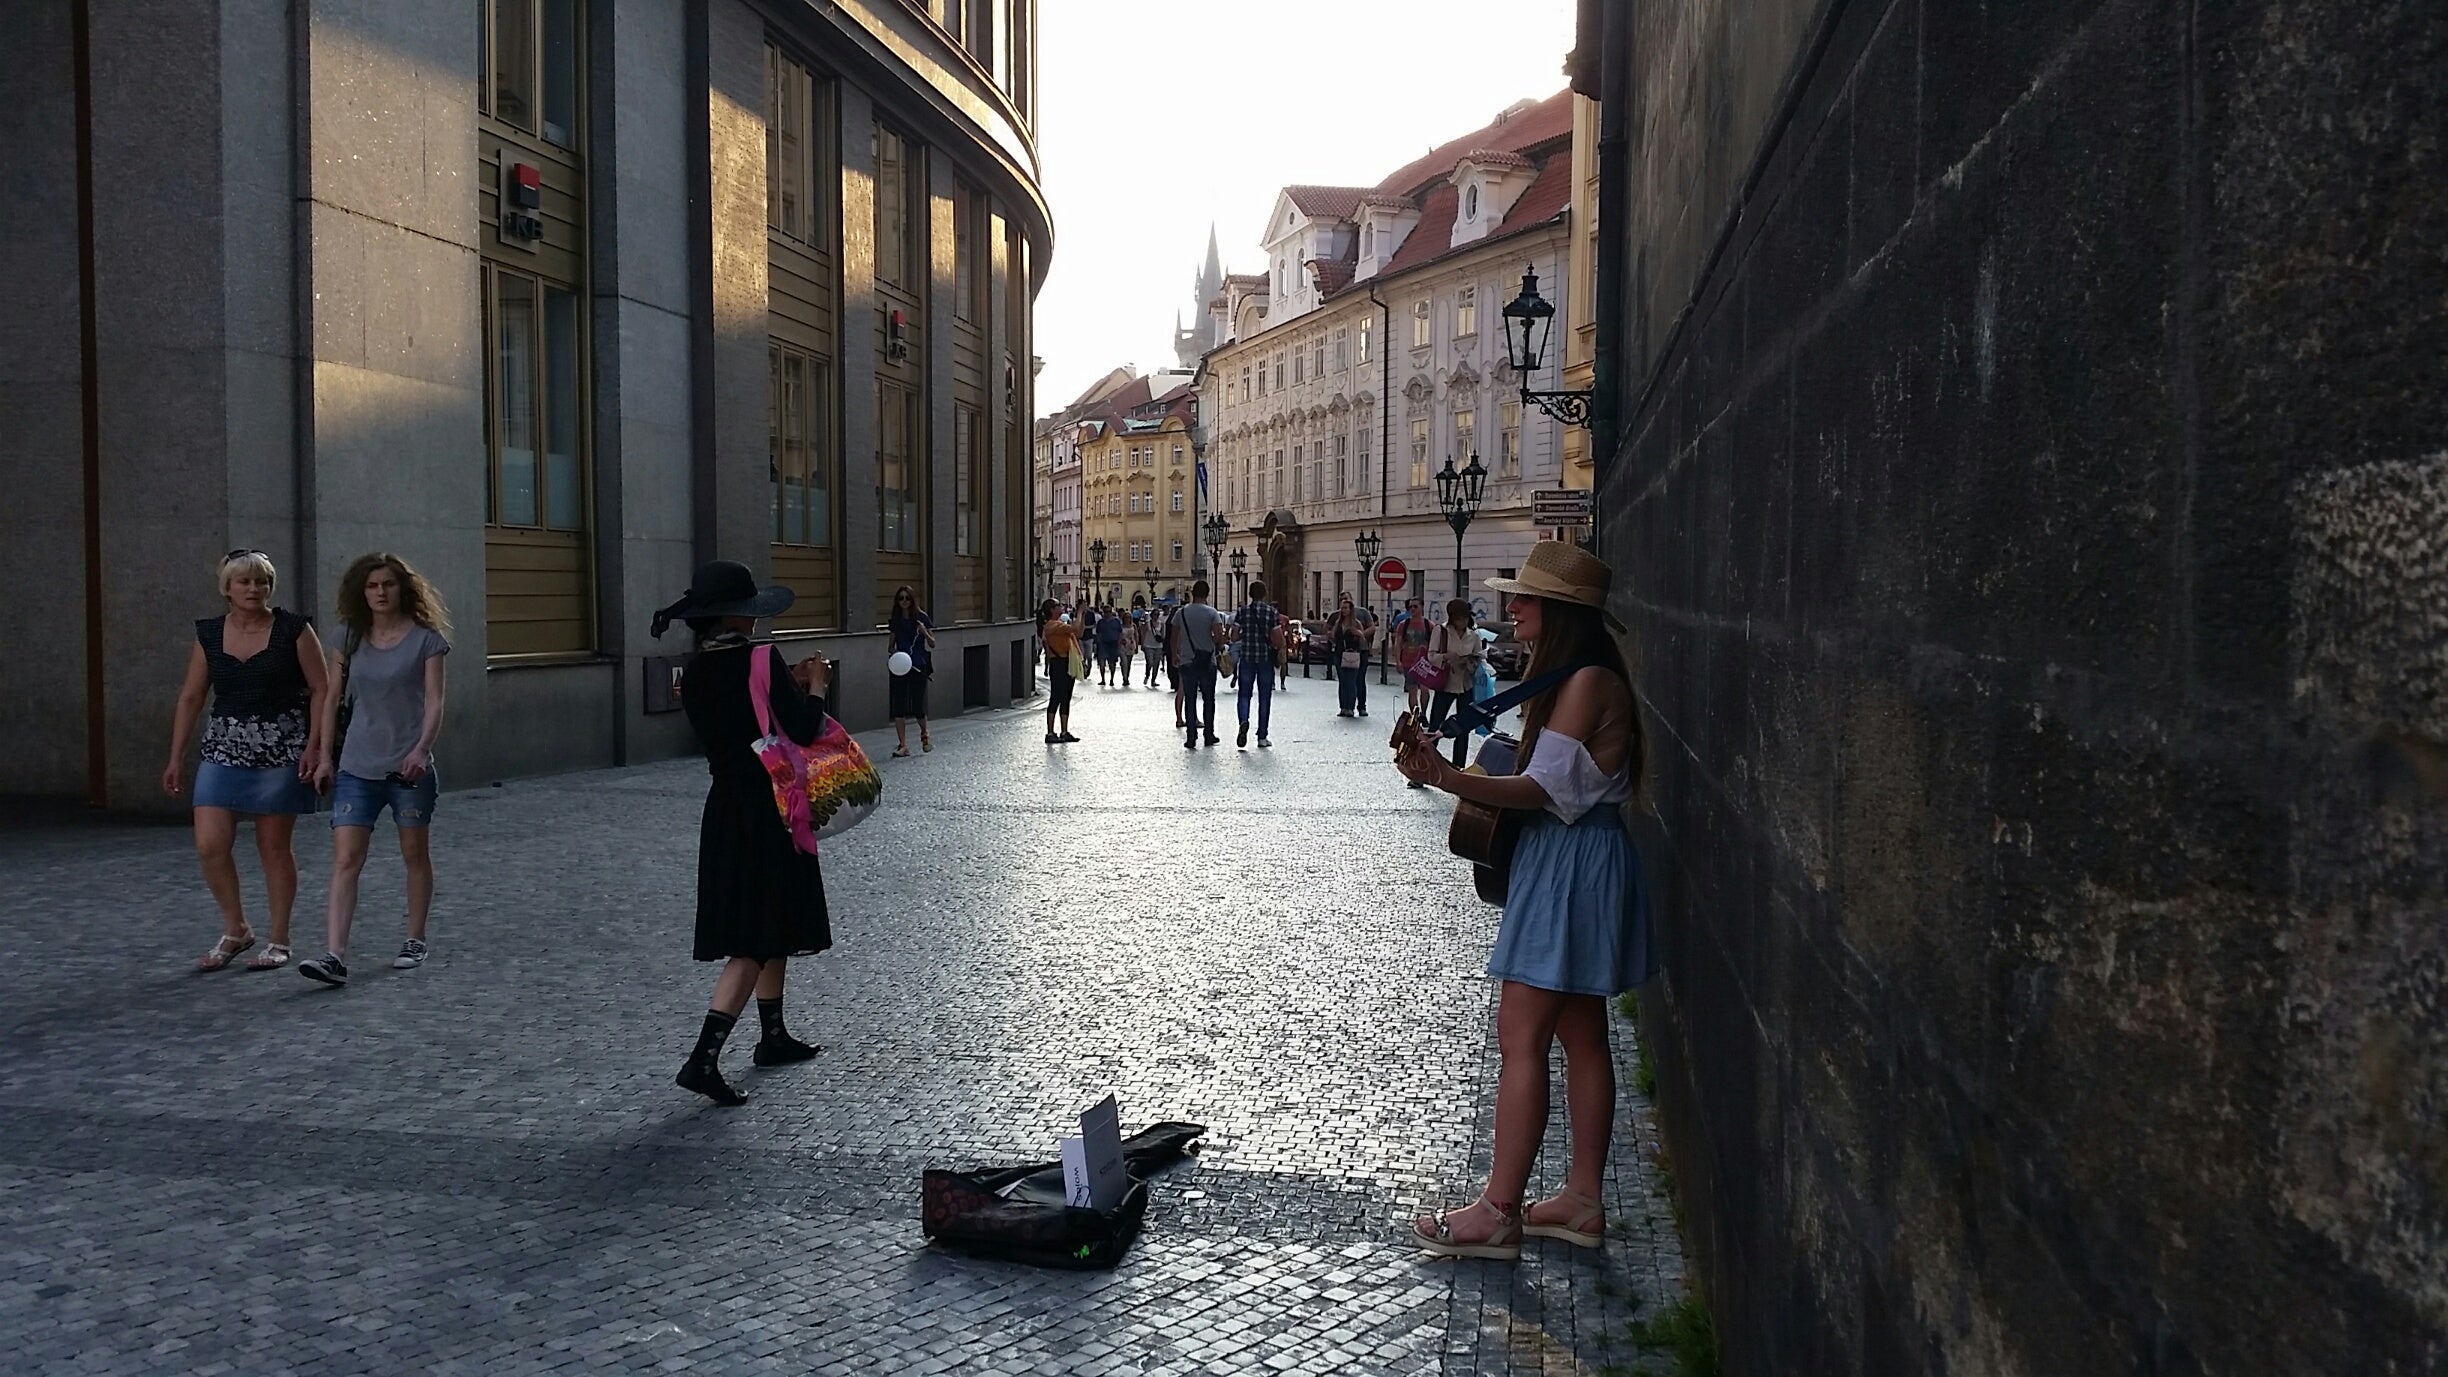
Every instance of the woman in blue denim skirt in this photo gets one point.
(391, 668)
(264, 671)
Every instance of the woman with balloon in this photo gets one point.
(912, 665)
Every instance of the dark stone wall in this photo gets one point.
(2030, 492)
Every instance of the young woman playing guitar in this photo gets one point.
(1575, 927)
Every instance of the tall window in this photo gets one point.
(968, 433)
(1276, 485)
(1508, 440)
(1466, 313)
(796, 133)
(1262, 379)
(899, 200)
(1419, 451)
(1177, 456)
(1177, 552)
(800, 448)
(1342, 469)
(897, 476)
(1177, 499)
(1366, 327)
(531, 53)
(1300, 362)
(535, 466)
(1466, 437)
(1419, 323)
(1317, 357)
(1342, 347)
(968, 258)
(1299, 490)
(1279, 382)
(953, 15)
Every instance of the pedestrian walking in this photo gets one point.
(1108, 643)
(760, 899)
(394, 633)
(1197, 639)
(1061, 641)
(1411, 634)
(1458, 650)
(1258, 637)
(263, 670)
(913, 634)
(1347, 640)
(1575, 930)
(1152, 647)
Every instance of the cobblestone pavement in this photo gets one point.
(483, 1166)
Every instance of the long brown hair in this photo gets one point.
(1572, 633)
(419, 600)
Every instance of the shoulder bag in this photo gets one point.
(822, 789)
(1425, 672)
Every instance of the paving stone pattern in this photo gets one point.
(483, 1166)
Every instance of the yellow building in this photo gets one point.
(1136, 478)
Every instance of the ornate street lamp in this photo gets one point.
(1459, 496)
(1151, 574)
(1218, 531)
(1368, 545)
(1240, 558)
(1096, 559)
(1528, 320)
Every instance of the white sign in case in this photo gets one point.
(1093, 1176)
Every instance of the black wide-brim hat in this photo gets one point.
(725, 588)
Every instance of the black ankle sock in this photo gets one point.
(769, 1016)
(717, 1030)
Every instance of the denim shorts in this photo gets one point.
(358, 802)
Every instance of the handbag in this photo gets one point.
(1351, 660)
(1426, 673)
(822, 789)
(347, 707)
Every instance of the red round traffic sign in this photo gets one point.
(1391, 575)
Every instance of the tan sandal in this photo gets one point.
(273, 958)
(226, 950)
(1586, 1229)
(1435, 1233)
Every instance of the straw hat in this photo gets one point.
(1561, 571)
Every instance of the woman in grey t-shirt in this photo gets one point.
(390, 660)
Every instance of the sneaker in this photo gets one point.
(1264, 744)
(328, 968)
(1052, 739)
(1242, 742)
(1067, 738)
(412, 955)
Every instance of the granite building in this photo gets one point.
(556, 299)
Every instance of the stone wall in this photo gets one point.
(2031, 492)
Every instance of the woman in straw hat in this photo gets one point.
(760, 900)
(1576, 921)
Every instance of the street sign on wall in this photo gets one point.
(1391, 575)
(1560, 507)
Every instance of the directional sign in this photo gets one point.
(1560, 507)
(1391, 575)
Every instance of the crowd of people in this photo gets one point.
(288, 723)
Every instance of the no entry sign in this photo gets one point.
(1391, 575)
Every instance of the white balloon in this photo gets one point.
(899, 663)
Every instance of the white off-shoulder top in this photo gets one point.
(1574, 783)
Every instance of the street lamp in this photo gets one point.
(1528, 320)
(1096, 560)
(1218, 531)
(1459, 496)
(1368, 545)
(1240, 558)
(1151, 574)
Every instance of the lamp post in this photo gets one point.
(1151, 574)
(1218, 530)
(1096, 560)
(1459, 496)
(1240, 559)
(1528, 320)
(1368, 545)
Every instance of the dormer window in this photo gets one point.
(1368, 241)
(1470, 202)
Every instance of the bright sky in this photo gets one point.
(1157, 119)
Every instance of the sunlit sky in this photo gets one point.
(1157, 118)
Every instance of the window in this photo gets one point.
(1508, 440)
(968, 435)
(1466, 437)
(1466, 312)
(1342, 348)
(1245, 382)
(1419, 451)
(535, 460)
(1419, 323)
(1177, 499)
(797, 139)
(1317, 470)
(799, 447)
(1317, 357)
(900, 227)
(1365, 327)
(1300, 360)
(1342, 469)
(1177, 460)
(1299, 489)
(968, 257)
(1276, 484)
(952, 14)
(1279, 372)
(1470, 202)
(1262, 379)
(530, 50)
(897, 476)
(1177, 552)
(1368, 239)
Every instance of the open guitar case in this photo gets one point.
(1020, 1213)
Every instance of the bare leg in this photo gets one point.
(769, 979)
(215, 830)
(1525, 1028)
(273, 832)
(416, 852)
(1589, 1097)
(740, 976)
(901, 733)
(348, 862)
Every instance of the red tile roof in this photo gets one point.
(1333, 274)
(1432, 239)
(1544, 122)
(1329, 202)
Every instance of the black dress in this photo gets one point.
(757, 895)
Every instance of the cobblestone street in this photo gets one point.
(484, 1167)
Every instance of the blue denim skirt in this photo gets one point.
(271, 789)
(1576, 911)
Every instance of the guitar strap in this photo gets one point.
(1470, 717)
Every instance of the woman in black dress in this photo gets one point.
(760, 900)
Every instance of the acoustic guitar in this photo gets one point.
(1480, 833)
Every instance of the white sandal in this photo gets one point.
(1435, 1233)
(1586, 1229)
(226, 950)
(272, 958)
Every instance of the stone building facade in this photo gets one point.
(1137, 472)
(1371, 352)
(556, 299)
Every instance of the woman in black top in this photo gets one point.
(913, 634)
(760, 900)
(264, 669)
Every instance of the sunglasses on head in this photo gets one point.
(234, 554)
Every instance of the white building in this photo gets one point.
(1372, 351)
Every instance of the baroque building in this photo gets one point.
(1371, 352)
(556, 299)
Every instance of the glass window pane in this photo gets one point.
(561, 72)
(820, 453)
(564, 507)
(514, 389)
(514, 62)
(891, 208)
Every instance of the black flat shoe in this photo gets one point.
(704, 1075)
(782, 1051)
